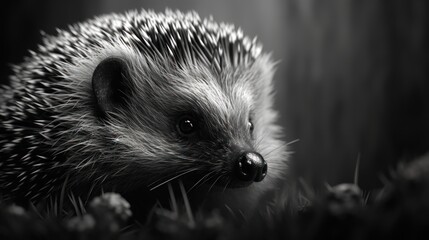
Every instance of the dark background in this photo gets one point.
(352, 81)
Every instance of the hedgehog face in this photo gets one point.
(201, 120)
(139, 99)
(170, 96)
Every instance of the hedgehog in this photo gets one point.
(136, 101)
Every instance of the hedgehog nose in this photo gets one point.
(251, 166)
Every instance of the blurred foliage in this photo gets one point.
(399, 210)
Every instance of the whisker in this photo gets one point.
(217, 179)
(196, 184)
(171, 179)
(208, 179)
(158, 180)
(226, 186)
(293, 141)
(277, 148)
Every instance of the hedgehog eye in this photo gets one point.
(250, 125)
(186, 125)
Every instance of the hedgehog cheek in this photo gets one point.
(110, 85)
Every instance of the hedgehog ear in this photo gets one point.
(110, 85)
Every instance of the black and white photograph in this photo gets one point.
(220, 120)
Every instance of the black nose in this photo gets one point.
(251, 166)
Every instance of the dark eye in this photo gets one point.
(186, 125)
(251, 127)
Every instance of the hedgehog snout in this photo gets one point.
(251, 166)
